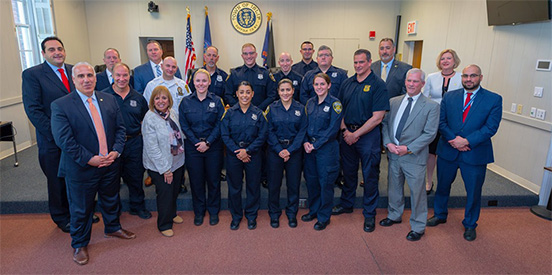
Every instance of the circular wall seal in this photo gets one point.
(246, 17)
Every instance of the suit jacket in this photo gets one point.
(75, 134)
(41, 86)
(395, 78)
(144, 74)
(480, 125)
(102, 81)
(419, 130)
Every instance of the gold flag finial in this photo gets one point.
(187, 9)
(269, 15)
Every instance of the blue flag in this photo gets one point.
(269, 60)
(207, 36)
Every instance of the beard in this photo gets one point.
(470, 87)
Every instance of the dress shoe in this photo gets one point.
(414, 236)
(430, 189)
(183, 189)
(235, 225)
(470, 234)
(264, 183)
(318, 226)
(213, 219)
(338, 210)
(121, 234)
(275, 223)
(308, 217)
(292, 222)
(434, 221)
(251, 224)
(147, 182)
(142, 213)
(361, 184)
(95, 218)
(369, 224)
(222, 176)
(388, 222)
(178, 219)
(198, 220)
(339, 182)
(80, 255)
(167, 233)
(65, 228)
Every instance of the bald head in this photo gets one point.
(471, 77)
(169, 67)
(285, 61)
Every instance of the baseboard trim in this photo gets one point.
(514, 178)
(20, 147)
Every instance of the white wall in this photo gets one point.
(72, 28)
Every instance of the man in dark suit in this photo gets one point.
(105, 79)
(88, 127)
(151, 69)
(392, 71)
(469, 118)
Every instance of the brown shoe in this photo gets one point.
(121, 234)
(80, 255)
(148, 182)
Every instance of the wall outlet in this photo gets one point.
(533, 112)
(514, 108)
(519, 109)
(538, 92)
(541, 114)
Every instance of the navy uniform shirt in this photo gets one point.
(260, 78)
(295, 79)
(336, 75)
(361, 99)
(302, 68)
(134, 107)
(249, 128)
(324, 120)
(201, 119)
(286, 128)
(218, 82)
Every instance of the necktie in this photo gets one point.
(404, 117)
(158, 70)
(64, 79)
(99, 127)
(384, 73)
(111, 79)
(466, 107)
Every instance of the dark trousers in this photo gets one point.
(275, 172)
(81, 194)
(132, 172)
(48, 157)
(234, 177)
(367, 151)
(204, 172)
(166, 197)
(321, 170)
(473, 177)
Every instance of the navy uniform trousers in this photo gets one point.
(234, 177)
(275, 172)
(132, 171)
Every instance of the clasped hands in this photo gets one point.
(284, 154)
(103, 161)
(459, 143)
(242, 155)
(400, 150)
(350, 137)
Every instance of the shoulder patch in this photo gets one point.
(267, 110)
(223, 115)
(337, 107)
(271, 76)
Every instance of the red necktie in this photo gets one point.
(99, 127)
(64, 79)
(466, 108)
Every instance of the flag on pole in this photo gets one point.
(269, 59)
(207, 36)
(190, 51)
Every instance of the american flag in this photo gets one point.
(190, 51)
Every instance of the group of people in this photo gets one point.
(308, 118)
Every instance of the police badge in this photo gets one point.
(180, 91)
(219, 78)
(334, 74)
(133, 103)
(366, 88)
(295, 83)
(211, 105)
(297, 113)
(254, 116)
(260, 76)
(326, 109)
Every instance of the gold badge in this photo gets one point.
(337, 106)
(246, 17)
(366, 88)
(180, 91)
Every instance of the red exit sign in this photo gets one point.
(411, 27)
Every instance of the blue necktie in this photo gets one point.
(157, 70)
(403, 119)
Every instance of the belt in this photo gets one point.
(353, 127)
(203, 139)
(132, 136)
(285, 141)
(313, 140)
(243, 144)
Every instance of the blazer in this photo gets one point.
(144, 74)
(480, 125)
(433, 88)
(102, 81)
(395, 78)
(40, 87)
(419, 130)
(75, 134)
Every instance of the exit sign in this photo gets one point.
(411, 27)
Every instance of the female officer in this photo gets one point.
(244, 131)
(287, 125)
(200, 115)
(322, 151)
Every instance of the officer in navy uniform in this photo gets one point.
(199, 116)
(244, 131)
(337, 75)
(286, 72)
(322, 151)
(218, 76)
(287, 125)
(306, 64)
(365, 101)
(261, 79)
(133, 107)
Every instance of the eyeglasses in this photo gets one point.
(307, 50)
(470, 75)
(249, 53)
(324, 55)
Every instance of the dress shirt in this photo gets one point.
(55, 69)
(400, 112)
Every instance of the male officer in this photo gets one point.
(88, 128)
(262, 80)
(337, 75)
(133, 108)
(285, 62)
(218, 76)
(306, 64)
(392, 71)
(365, 102)
(144, 73)
(465, 144)
(408, 129)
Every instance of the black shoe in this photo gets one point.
(414, 236)
(95, 219)
(143, 214)
(198, 220)
(470, 234)
(292, 222)
(388, 222)
(251, 224)
(235, 225)
(321, 225)
(369, 224)
(264, 183)
(214, 219)
(308, 217)
(275, 223)
(362, 184)
(339, 182)
(222, 176)
(183, 189)
(434, 221)
(65, 228)
(338, 210)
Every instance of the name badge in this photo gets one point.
(334, 74)
(211, 105)
(254, 116)
(295, 83)
(179, 89)
(326, 109)
(260, 76)
(133, 103)
(297, 113)
(219, 78)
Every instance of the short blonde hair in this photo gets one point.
(454, 56)
(203, 71)
(158, 91)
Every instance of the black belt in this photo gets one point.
(285, 141)
(203, 139)
(132, 136)
(353, 127)
(243, 144)
(312, 140)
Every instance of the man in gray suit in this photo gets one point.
(408, 129)
(393, 72)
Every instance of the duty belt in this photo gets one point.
(243, 144)
(353, 127)
(127, 137)
(313, 139)
(203, 139)
(285, 141)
